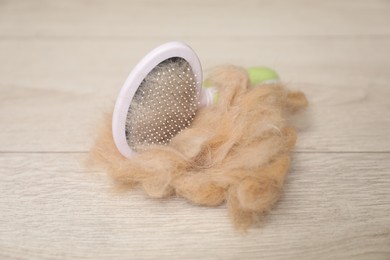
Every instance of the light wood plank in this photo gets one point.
(54, 92)
(91, 63)
(174, 18)
(335, 206)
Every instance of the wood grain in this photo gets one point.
(62, 64)
(174, 18)
(333, 206)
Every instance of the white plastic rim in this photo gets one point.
(134, 80)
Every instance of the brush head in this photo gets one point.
(164, 104)
(159, 98)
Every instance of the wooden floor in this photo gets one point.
(62, 64)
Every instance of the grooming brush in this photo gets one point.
(159, 98)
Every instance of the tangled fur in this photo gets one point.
(236, 151)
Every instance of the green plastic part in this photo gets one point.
(259, 75)
(215, 97)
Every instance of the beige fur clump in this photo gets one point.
(235, 152)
